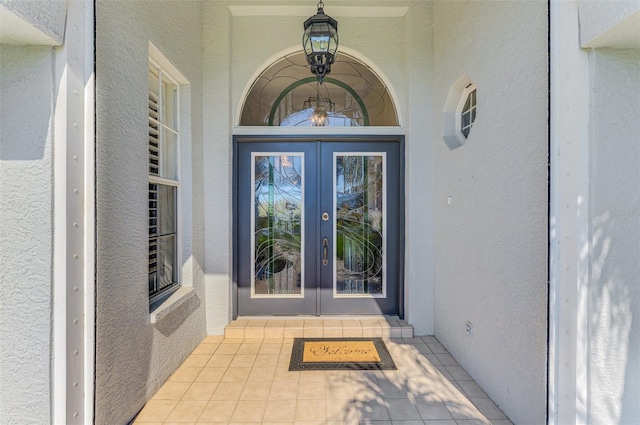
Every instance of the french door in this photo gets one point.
(318, 226)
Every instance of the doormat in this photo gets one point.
(340, 354)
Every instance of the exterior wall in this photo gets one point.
(600, 22)
(32, 21)
(614, 234)
(26, 232)
(491, 201)
(398, 47)
(133, 356)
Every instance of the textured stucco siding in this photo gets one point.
(398, 48)
(45, 16)
(599, 19)
(134, 357)
(26, 235)
(614, 210)
(491, 238)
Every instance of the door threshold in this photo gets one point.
(287, 327)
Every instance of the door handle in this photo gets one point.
(325, 251)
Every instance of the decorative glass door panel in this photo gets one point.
(278, 225)
(359, 204)
(317, 227)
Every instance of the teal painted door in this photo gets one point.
(319, 227)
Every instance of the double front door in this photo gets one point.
(318, 226)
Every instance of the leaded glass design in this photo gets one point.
(278, 224)
(286, 94)
(360, 224)
(468, 113)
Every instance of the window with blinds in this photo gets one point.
(163, 182)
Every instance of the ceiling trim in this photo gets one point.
(335, 11)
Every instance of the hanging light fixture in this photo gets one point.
(320, 42)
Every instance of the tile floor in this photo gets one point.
(246, 381)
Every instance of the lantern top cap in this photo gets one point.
(321, 17)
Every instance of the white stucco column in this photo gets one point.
(568, 220)
(216, 44)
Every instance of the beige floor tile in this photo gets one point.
(185, 374)
(488, 408)
(339, 391)
(446, 359)
(458, 373)
(332, 332)
(372, 410)
(233, 341)
(274, 333)
(228, 391)
(217, 411)
(156, 410)
(187, 411)
(284, 390)
(342, 410)
(313, 324)
(243, 360)
(262, 374)
(172, 391)
(234, 333)
(259, 323)
(309, 390)
(200, 391)
(275, 323)
(238, 323)
(236, 374)
(271, 348)
(266, 360)
(213, 339)
(249, 411)
(352, 332)
(256, 391)
(402, 409)
(196, 360)
(312, 375)
(286, 375)
(332, 324)
(246, 348)
(228, 348)
(311, 410)
(312, 332)
(463, 409)
(220, 360)
(254, 332)
(293, 333)
(372, 332)
(280, 410)
(294, 323)
(211, 374)
(206, 348)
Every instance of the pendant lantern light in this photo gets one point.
(320, 42)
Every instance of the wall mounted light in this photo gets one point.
(320, 42)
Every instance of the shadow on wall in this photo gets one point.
(614, 298)
(26, 109)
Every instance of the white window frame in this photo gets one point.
(165, 76)
(460, 111)
(452, 112)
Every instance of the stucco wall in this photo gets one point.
(43, 21)
(600, 22)
(134, 357)
(398, 47)
(614, 210)
(26, 233)
(491, 201)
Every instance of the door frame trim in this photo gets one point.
(238, 139)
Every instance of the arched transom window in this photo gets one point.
(287, 94)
